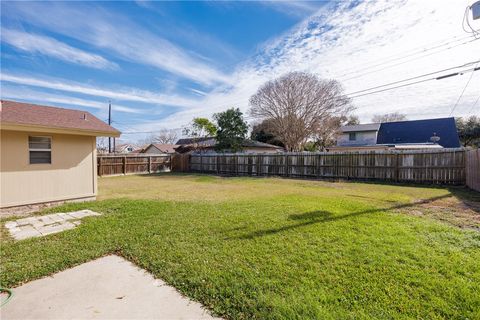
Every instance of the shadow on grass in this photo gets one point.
(322, 216)
(468, 197)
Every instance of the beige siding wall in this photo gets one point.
(71, 175)
(362, 138)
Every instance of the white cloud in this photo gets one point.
(12, 92)
(121, 94)
(118, 34)
(354, 45)
(348, 44)
(293, 8)
(35, 43)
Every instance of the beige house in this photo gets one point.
(158, 148)
(48, 154)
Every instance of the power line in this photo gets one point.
(403, 62)
(396, 57)
(473, 105)
(420, 81)
(463, 91)
(416, 77)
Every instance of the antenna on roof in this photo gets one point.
(435, 138)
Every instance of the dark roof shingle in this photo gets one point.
(419, 131)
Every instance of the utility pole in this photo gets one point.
(109, 123)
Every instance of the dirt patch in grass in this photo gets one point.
(461, 209)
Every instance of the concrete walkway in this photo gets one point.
(107, 288)
(38, 226)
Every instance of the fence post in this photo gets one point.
(124, 161)
(149, 164)
(236, 165)
(201, 163)
(318, 165)
(286, 165)
(396, 172)
(99, 166)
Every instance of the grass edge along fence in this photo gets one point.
(445, 166)
(108, 165)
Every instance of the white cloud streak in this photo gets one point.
(121, 94)
(11, 92)
(118, 34)
(338, 41)
(34, 43)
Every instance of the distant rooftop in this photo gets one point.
(420, 131)
(411, 132)
(361, 127)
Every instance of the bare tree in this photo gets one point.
(389, 117)
(298, 105)
(146, 141)
(166, 137)
(102, 144)
(327, 133)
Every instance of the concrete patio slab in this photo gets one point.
(38, 226)
(107, 288)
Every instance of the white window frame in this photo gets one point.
(33, 150)
(352, 134)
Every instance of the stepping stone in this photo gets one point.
(38, 226)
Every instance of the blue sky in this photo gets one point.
(163, 63)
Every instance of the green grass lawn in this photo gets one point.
(277, 248)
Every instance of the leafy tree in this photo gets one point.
(297, 105)
(262, 132)
(232, 130)
(310, 146)
(389, 117)
(469, 131)
(200, 128)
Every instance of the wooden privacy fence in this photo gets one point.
(130, 164)
(446, 166)
(180, 162)
(473, 169)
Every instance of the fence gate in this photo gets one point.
(180, 162)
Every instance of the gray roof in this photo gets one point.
(211, 142)
(207, 140)
(361, 127)
(258, 144)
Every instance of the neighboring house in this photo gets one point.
(415, 134)
(156, 148)
(207, 145)
(125, 148)
(48, 154)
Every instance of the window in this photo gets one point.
(352, 136)
(40, 149)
